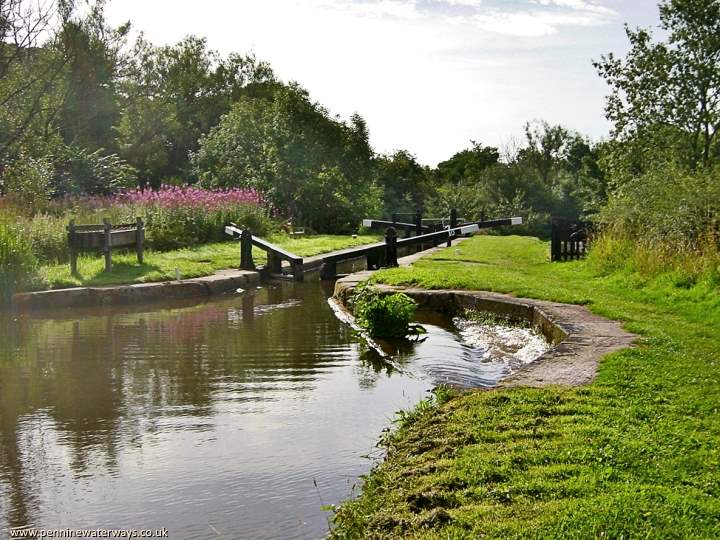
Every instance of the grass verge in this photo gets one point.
(636, 454)
(185, 263)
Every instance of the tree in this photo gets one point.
(546, 149)
(468, 164)
(405, 183)
(313, 167)
(29, 74)
(93, 52)
(669, 92)
(183, 89)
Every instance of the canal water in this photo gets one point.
(240, 417)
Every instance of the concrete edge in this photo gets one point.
(581, 338)
(221, 282)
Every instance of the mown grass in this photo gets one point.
(636, 454)
(183, 263)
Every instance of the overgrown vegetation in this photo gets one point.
(634, 454)
(17, 263)
(384, 315)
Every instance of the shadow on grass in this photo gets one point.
(122, 272)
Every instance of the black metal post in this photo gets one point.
(453, 224)
(140, 240)
(246, 258)
(391, 247)
(328, 270)
(298, 272)
(71, 245)
(107, 244)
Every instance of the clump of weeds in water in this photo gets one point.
(385, 315)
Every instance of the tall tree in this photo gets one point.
(546, 149)
(672, 87)
(180, 91)
(312, 166)
(468, 164)
(29, 73)
(406, 183)
(94, 52)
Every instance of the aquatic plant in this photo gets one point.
(385, 315)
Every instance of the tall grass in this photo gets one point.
(17, 262)
(175, 217)
(664, 222)
(684, 264)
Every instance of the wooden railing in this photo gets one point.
(377, 255)
(275, 254)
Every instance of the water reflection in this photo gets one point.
(239, 417)
(210, 418)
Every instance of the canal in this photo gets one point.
(239, 417)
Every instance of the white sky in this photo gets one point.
(427, 75)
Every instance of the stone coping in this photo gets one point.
(580, 338)
(221, 282)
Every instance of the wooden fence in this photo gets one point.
(569, 240)
(103, 238)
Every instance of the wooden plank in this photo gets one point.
(351, 253)
(381, 224)
(440, 235)
(123, 238)
(277, 250)
(236, 232)
(489, 224)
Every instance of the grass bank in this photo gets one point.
(187, 263)
(636, 454)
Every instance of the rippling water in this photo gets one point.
(236, 418)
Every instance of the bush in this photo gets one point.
(667, 206)
(17, 262)
(81, 172)
(172, 228)
(185, 216)
(174, 217)
(384, 316)
(26, 183)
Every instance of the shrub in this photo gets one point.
(26, 183)
(668, 206)
(82, 172)
(174, 217)
(17, 262)
(384, 316)
(185, 216)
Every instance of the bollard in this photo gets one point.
(298, 271)
(328, 270)
(391, 247)
(107, 244)
(140, 240)
(73, 251)
(246, 258)
(453, 224)
(274, 264)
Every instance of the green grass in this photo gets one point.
(636, 454)
(185, 263)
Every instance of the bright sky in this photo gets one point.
(427, 75)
